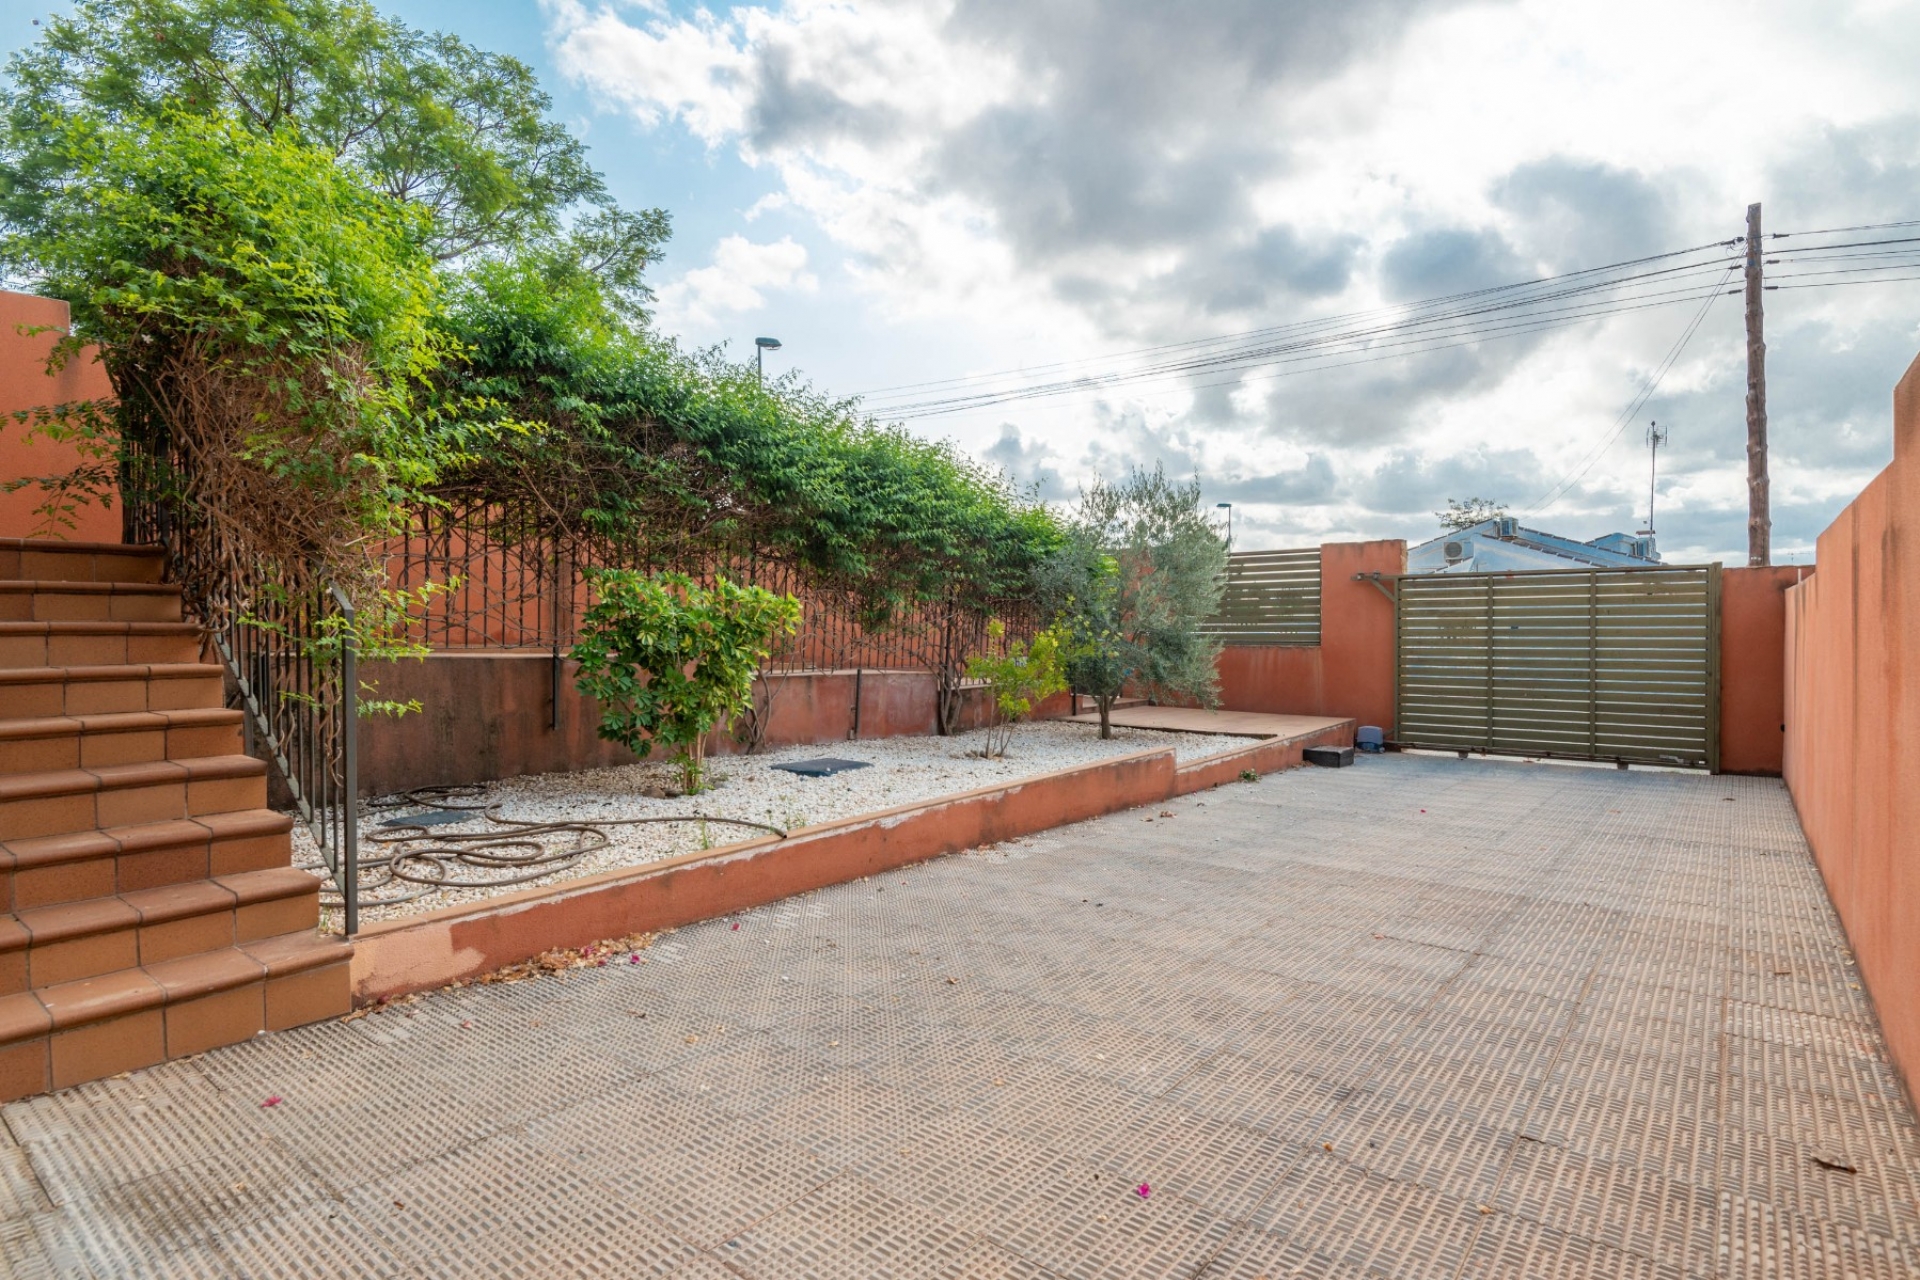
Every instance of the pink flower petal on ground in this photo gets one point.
(274, 1101)
(1143, 1191)
(736, 923)
(633, 959)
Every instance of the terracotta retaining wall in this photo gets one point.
(438, 947)
(1853, 726)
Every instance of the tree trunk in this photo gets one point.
(1105, 702)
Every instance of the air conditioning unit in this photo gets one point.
(1506, 527)
(1455, 552)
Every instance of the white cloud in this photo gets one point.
(735, 282)
(1052, 183)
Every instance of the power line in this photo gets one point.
(1639, 402)
(1443, 323)
(1473, 339)
(1834, 231)
(1254, 353)
(1412, 308)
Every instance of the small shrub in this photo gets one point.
(1023, 676)
(1249, 775)
(668, 659)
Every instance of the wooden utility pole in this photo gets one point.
(1759, 517)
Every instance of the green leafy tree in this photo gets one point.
(669, 660)
(1018, 677)
(1141, 572)
(1472, 511)
(422, 118)
(261, 313)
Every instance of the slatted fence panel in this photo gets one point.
(1608, 664)
(1271, 598)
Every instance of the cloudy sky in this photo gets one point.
(912, 191)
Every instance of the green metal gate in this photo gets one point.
(1602, 664)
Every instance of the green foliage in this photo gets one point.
(423, 119)
(88, 428)
(1465, 514)
(668, 659)
(681, 455)
(1018, 678)
(259, 309)
(1140, 573)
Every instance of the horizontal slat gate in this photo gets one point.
(1607, 664)
(1271, 597)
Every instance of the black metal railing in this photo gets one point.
(289, 654)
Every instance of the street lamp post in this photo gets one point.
(1228, 508)
(760, 348)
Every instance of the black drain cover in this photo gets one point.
(432, 818)
(824, 767)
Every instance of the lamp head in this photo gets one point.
(767, 344)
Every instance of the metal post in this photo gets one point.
(349, 877)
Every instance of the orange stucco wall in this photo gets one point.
(1853, 726)
(25, 384)
(1753, 679)
(1350, 673)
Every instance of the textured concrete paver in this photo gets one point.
(1415, 1018)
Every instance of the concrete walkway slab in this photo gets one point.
(1195, 720)
(1417, 1018)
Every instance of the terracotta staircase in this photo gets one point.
(147, 906)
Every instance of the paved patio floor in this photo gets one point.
(1420, 1017)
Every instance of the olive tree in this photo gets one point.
(1141, 572)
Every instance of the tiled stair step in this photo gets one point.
(122, 737)
(33, 692)
(60, 644)
(46, 946)
(44, 870)
(79, 561)
(73, 800)
(56, 1036)
(51, 600)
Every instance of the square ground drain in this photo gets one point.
(824, 767)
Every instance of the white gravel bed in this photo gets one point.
(901, 771)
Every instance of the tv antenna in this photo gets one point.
(1656, 436)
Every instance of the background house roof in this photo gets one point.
(1502, 544)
